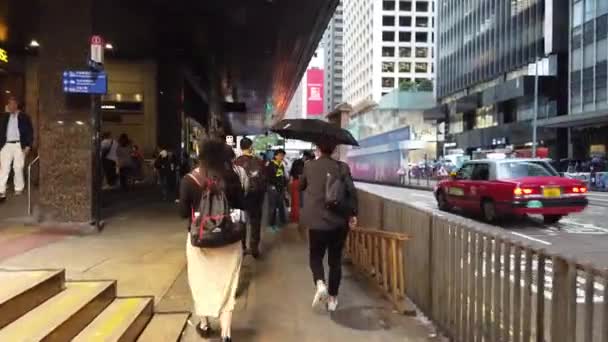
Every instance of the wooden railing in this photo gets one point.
(477, 283)
(379, 255)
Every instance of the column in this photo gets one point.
(65, 120)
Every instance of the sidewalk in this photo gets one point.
(144, 250)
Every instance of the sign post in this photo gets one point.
(96, 64)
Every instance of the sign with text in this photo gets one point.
(314, 92)
(85, 82)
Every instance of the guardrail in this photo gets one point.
(477, 284)
(379, 255)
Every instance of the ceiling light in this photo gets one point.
(109, 46)
(79, 123)
(60, 122)
(7, 91)
(34, 43)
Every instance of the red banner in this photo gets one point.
(314, 92)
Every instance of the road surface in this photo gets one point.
(583, 236)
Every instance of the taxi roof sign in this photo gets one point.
(3, 56)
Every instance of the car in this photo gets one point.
(511, 187)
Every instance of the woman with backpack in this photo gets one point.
(213, 272)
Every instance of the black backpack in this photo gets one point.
(255, 172)
(337, 193)
(213, 226)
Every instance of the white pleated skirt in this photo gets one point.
(213, 275)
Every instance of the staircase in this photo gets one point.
(40, 305)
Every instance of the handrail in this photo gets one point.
(29, 184)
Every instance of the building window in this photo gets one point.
(388, 36)
(403, 81)
(405, 52)
(388, 82)
(422, 37)
(422, 67)
(422, 52)
(405, 6)
(601, 27)
(388, 51)
(405, 67)
(405, 36)
(588, 85)
(422, 6)
(388, 5)
(601, 81)
(422, 22)
(575, 88)
(388, 21)
(405, 21)
(388, 67)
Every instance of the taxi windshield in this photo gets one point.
(521, 169)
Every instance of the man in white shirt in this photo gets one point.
(16, 138)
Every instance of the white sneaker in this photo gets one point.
(332, 304)
(321, 295)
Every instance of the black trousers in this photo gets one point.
(254, 214)
(332, 242)
(109, 169)
(276, 204)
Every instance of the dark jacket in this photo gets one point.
(297, 168)
(314, 213)
(26, 129)
(276, 176)
(164, 166)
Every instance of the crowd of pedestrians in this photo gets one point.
(223, 196)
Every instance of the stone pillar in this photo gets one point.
(65, 120)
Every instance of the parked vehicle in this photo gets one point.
(495, 188)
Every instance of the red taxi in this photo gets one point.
(495, 188)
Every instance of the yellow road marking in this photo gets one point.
(119, 315)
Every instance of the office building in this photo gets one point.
(307, 101)
(488, 54)
(333, 45)
(386, 43)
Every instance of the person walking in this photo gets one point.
(16, 138)
(125, 162)
(328, 227)
(164, 168)
(213, 273)
(277, 184)
(296, 195)
(254, 200)
(109, 158)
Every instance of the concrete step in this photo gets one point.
(63, 316)
(123, 320)
(165, 327)
(21, 291)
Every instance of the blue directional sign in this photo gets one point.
(85, 82)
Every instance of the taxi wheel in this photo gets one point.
(552, 219)
(488, 210)
(442, 202)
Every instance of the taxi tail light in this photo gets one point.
(524, 191)
(579, 190)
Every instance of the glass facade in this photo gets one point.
(589, 56)
(479, 40)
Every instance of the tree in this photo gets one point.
(425, 85)
(407, 85)
(262, 142)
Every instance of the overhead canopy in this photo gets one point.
(595, 118)
(259, 48)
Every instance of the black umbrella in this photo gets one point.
(313, 130)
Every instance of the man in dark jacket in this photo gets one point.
(328, 228)
(277, 184)
(16, 138)
(254, 200)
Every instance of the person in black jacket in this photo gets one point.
(277, 180)
(16, 138)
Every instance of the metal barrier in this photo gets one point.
(477, 284)
(379, 255)
(29, 184)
